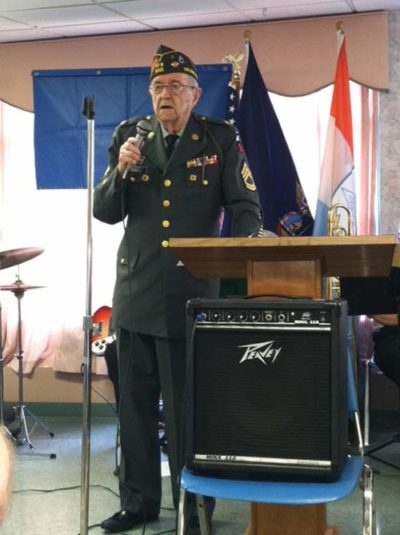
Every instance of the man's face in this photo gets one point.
(173, 107)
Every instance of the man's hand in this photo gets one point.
(129, 155)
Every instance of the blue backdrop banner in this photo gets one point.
(61, 128)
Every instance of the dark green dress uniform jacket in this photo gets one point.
(180, 198)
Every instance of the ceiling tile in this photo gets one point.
(17, 5)
(64, 16)
(102, 28)
(262, 4)
(373, 5)
(195, 20)
(286, 12)
(160, 8)
(7, 25)
(89, 17)
(31, 34)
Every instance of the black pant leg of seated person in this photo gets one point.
(387, 352)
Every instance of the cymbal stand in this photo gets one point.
(2, 424)
(21, 409)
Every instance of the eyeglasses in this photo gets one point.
(174, 88)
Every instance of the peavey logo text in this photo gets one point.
(262, 351)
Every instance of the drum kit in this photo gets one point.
(10, 258)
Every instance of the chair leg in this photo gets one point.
(181, 518)
(204, 521)
(369, 524)
(367, 403)
(359, 433)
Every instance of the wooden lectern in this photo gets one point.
(295, 267)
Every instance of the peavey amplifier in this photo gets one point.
(266, 388)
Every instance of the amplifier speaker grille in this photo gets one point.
(248, 404)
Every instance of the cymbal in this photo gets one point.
(17, 256)
(18, 287)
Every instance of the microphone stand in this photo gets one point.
(88, 111)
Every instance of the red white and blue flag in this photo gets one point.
(337, 182)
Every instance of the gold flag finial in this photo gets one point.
(340, 27)
(235, 60)
(247, 35)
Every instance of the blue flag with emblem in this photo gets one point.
(285, 207)
(60, 134)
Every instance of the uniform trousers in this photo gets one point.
(149, 366)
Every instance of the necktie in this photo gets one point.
(171, 139)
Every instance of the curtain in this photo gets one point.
(368, 205)
(300, 54)
(369, 173)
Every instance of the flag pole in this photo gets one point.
(247, 39)
(334, 282)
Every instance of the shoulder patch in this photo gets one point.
(247, 177)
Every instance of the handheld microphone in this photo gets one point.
(143, 127)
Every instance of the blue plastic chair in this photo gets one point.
(286, 493)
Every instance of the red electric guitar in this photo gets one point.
(103, 333)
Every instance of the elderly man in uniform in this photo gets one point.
(174, 184)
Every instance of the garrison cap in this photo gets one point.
(168, 61)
